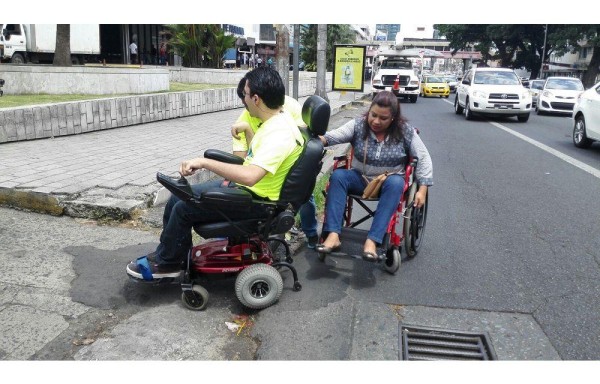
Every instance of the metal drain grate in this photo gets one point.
(420, 343)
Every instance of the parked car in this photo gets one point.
(535, 87)
(492, 92)
(452, 82)
(586, 118)
(559, 95)
(434, 86)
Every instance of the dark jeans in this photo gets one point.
(179, 217)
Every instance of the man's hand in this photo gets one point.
(239, 127)
(189, 167)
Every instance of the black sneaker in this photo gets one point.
(146, 268)
(312, 241)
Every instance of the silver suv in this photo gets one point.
(492, 92)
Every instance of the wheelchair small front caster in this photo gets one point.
(297, 286)
(195, 298)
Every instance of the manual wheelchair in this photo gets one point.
(406, 225)
(246, 248)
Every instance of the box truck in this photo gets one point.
(35, 43)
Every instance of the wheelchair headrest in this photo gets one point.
(315, 114)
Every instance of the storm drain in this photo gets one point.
(420, 343)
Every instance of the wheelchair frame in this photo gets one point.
(413, 220)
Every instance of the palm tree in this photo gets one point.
(199, 45)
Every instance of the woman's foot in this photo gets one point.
(331, 244)
(370, 251)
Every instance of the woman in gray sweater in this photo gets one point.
(382, 141)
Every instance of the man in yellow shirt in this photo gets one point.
(243, 131)
(273, 151)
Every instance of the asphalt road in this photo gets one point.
(511, 249)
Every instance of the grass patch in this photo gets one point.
(11, 101)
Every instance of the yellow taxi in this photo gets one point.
(433, 85)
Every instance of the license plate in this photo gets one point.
(501, 106)
(401, 90)
(388, 88)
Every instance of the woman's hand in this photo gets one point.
(420, 196)
(189, 167)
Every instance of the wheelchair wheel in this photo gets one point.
(414, 224)
(258, 286)
(392, 260)
(197, 299)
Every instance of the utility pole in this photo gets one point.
(543, 52)
(321, 63)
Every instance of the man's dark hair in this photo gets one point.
(267, 84)
(240, 88)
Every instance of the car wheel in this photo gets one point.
(523, 118)
(468, 113)
(457, 108)
(413, 99)
(580, 138)
(538, 110)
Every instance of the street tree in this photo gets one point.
(336, 34)
(62, 51)
(574, 38)
(199, 45)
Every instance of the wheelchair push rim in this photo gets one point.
(415, 220)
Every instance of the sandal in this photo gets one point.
(323, 249)
(370, 256)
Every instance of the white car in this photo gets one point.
(535, 88)
(492, 92)
(559, 95)
(586, 118)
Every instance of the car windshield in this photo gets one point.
(565, 84)
(396, 64)
(433, 79)
(537, 84)
(496, 78)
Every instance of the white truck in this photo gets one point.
(35, 43)
(395, 73)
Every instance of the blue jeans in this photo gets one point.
(308, 217)
(350, 181)
(179, 217)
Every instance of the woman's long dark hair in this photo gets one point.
(386, 99)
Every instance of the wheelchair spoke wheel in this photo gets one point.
(414, 224)
(196, 299)
(392, 260)
(258, 286)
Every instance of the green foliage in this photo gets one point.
(522, 45)
(199, 45)
(336, 34)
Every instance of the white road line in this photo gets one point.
(581, 165)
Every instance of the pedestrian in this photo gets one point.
(275, 148)
(133, 52)
(270, 62)
(163, 53)
(259, 61)
(382, 140)
(243, 131)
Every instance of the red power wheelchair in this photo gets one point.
(406, 225)
(247, 248)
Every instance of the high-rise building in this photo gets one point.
(390, 30)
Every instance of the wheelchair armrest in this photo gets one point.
(222, 156)
(227, 196)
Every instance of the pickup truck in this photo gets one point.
(396, 74)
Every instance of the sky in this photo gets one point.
(292, 12)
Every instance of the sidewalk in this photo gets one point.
(111, 174)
